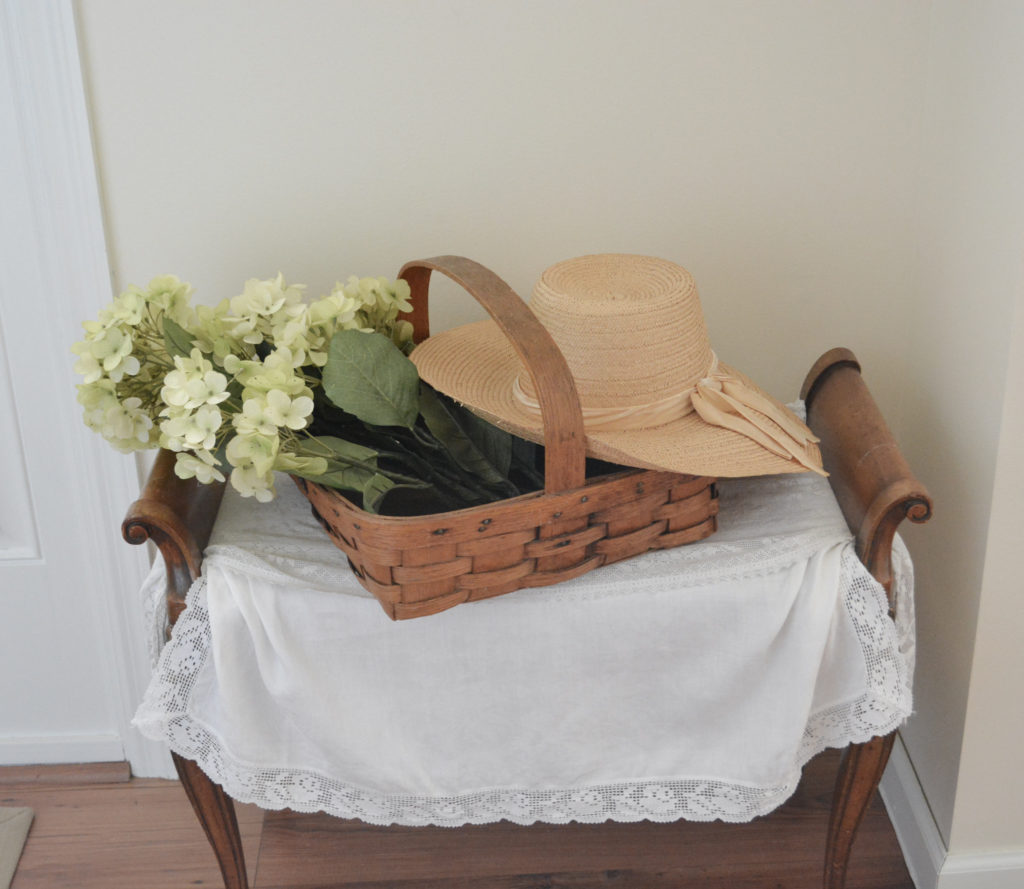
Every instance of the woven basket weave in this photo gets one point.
(421, 565)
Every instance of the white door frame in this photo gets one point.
(66, 263)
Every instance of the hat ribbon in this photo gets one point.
(720, 400)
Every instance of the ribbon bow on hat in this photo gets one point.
(722, 400)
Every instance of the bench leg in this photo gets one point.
(856, 783)
(216, 812)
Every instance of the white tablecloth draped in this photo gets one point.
(690, 683)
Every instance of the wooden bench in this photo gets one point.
(870, 478)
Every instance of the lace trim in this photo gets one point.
(164, 715)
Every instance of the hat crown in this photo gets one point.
(630, 327)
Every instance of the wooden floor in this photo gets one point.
(98, 829)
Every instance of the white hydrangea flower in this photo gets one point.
(398, 294)
(195, 363)
(291, 330)
(97, 398)
(245, 330)
(173, 429)
(380, 293)
(276, 371)
(211, 388)
(253, 450)
(191, 430)
(250, 313)
(127, 308)
(174, 392)
(253, 418)
(87, 365)
(212, 332)
(285, 411)
(169, 293)
(235, 365)
(363, 289)
(250, 482)
(193, 382)
(282, 359)
(129, 366)
(111, 348)
(126, 425)
(202, 466)
(204, 426)
(264, 297)
(338, 308)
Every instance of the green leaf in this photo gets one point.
(348, 478)
(494, 443)
(374, 491)
(331, 446)
(349, 466)
(177, 340)
(367, 375)
(444, 426)
(526, 458)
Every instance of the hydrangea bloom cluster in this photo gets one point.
(228, 387)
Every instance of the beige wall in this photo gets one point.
(989, 815)
(967, 272)
(764, 146)
(826, 171)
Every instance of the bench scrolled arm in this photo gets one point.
(177, 515)
(874, 486)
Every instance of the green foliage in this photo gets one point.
(368, 376)
(374, 492)
(177, 340)
(487, 456)
(350, 466)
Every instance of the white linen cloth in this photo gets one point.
(689, 683)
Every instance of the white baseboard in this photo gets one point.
(931, 866)
(923, 847)
(989, 870)
(53, 749)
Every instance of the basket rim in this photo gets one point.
(469, 511)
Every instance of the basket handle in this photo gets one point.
(564, 438)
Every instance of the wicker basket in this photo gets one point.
(420, 565)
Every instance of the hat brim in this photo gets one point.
(476, 365)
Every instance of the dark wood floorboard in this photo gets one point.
(78, 773)
(137, 834)
(141, 834)
(782, 851)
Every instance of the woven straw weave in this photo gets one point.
(417, 566)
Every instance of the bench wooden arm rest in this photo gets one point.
(872, 482)
(177, 515)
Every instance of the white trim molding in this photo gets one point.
(61, 748)
(19, 535)
(931, 866)
(39, 46)
(924, 850)
(984, 870)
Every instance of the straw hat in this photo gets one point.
(652, 391)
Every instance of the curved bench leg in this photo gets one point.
(216, 812)
(859, 774)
